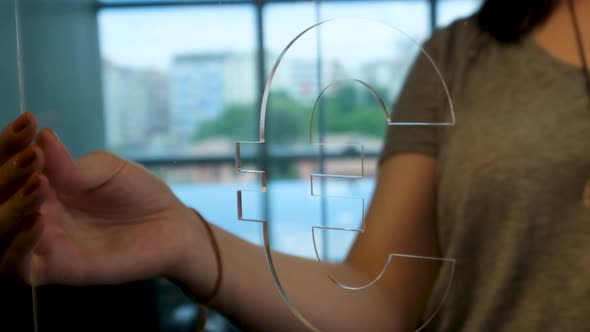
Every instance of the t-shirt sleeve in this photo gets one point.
(422, 100)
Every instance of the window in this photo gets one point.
(189, 78)
(173, 74)
(347, 113)
(183, 81)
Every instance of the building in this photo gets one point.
(203, 85)
(299, 77)
(136, 106)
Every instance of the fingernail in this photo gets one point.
(32, 185)
(21, 123)
(55, 134)
(27, 159)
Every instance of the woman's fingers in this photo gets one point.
(14, 260)
(22, 188)
(22, 205)
(15, 172)
(68, 175)
(17, 135)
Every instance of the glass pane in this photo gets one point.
(176, 98)
(180, 88)
(350, 115)
(450, 10)
(166, 82)
(307, 69)
(352, 110)
(63, 86)
(173, 87)
(318, 193)
(61, 81)
(9, 85)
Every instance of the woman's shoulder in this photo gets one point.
(462, 32)
(457, 40)
(456, 47)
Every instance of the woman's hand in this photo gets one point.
(99, 219)
(22, 190)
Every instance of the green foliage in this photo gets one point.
(365, 120)
(236, 122)
(352, 111)
(284, 170)
(345, 111)
(287, 120)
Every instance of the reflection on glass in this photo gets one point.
(348, 114)
(179, 88)
(169, 88)
(336, 52)
(178, 79)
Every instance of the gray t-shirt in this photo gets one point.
(511, 179)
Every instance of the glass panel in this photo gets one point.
(351, 109)
(349, 72)
(179, 88)
(176, 99)
(348, 113)
(9, 85)
(177, 81)
(174, 87)
(62, 87)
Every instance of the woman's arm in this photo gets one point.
(400, 220)
(103, 220)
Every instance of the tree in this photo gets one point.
(236, 122)
(287, 122)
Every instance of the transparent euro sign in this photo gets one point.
(324, 94)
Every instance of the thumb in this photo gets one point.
(69, 175)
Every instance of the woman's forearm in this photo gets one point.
(248, 294)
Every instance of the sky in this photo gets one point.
(149, 37)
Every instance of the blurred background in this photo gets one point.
(173, 84)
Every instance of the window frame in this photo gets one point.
(259, 5)
(262, 158)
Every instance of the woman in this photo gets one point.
(501, 192)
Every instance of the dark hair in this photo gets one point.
(510, 20)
